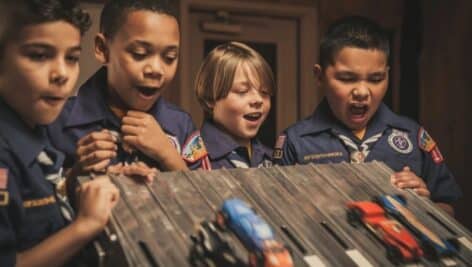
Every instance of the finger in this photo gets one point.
(137, 114)
(98, 167)
(131, 130)
(410, 184)
(132, 121)
(103, 135)
(406, 169)
(424, 192)
(96, 157)
(96, 145)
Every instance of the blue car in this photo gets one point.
(432, 244)
(250, 228)
(255, 234)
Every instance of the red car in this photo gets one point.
(400, 243)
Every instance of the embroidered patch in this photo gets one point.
(425, 141)
(194, 149)
(4, 198)
(436, 155)
(322, 156)
(3, 178)
(278, 153)
(39, 202)
(399, 141)
(175, 142)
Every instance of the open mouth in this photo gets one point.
(53, 100)
(147, 91)
(255, 116)
(358, 109)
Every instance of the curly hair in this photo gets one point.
(114, 13)
(21, 13)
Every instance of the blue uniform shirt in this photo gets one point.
(29, 212)
(395, 140)
(88, 112)
(224, 152)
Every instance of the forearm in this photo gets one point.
(170, 159)
(58, 248)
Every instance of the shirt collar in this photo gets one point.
(25, 142)
(90, 105)
(217, 142)
(323, 120)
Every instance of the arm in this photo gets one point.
(96, 199)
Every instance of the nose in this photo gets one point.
(58, 75)
(361, 92)
(256, 98)
(154, 69)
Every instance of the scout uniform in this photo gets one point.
(390, 138)
(29, 170)
(89, 112)
(224, 152)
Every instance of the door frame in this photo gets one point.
(307, 16)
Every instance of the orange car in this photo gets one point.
(400, 243)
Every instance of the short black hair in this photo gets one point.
(352, 31)
(21, 13)
(115, 11)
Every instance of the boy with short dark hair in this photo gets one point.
(119, 114)
(39, 53)
(352, 124)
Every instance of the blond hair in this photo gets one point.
(216, 74)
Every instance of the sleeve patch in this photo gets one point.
(194, 149)
(425, 141)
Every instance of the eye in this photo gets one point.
(170, 57)
(377, 78)
(38, 56)
(138, 55)
(73, 59)
(346, 78)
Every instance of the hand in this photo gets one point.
(96, 150)
(136, 170)
(141, 131)
(406, 179)
(96, 200)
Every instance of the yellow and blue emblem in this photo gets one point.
(194, 149)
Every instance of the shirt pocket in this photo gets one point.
(38, 223)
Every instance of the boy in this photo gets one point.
(352, 124)
(233, 85)
(39, 51)
(119, 114)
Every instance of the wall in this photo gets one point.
(445, 88)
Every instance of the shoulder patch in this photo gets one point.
(278, 153)
(194, 148)
(425, 141)
(3, 178)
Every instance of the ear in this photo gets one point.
(101, 49)
(318, 72)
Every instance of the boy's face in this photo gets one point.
(141, 58)
(355, 85)
(39, 70)
(242, 112)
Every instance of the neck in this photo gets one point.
(359, 133)
(116, 105)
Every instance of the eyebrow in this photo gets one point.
(48, 46)
(149, 45)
